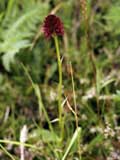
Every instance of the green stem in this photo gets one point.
(7, 153)
(38, 95)
(59, 86)
(19, 143)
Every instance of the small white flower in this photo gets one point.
(84, 117)
(108, 131)
(93, 130)
(99, 129)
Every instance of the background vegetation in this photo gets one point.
(29, 79)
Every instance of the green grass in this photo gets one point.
(84, 112)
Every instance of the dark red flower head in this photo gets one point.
(53, 25)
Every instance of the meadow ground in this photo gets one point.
(60, 80)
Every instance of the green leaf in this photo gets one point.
(113, 19)
(17, 31)
(73, 140)
(45, 135)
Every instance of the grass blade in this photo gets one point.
(74, 138)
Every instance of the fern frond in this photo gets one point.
(18, 31)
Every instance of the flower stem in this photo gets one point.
(59, 87)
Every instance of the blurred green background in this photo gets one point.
(97, 82)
